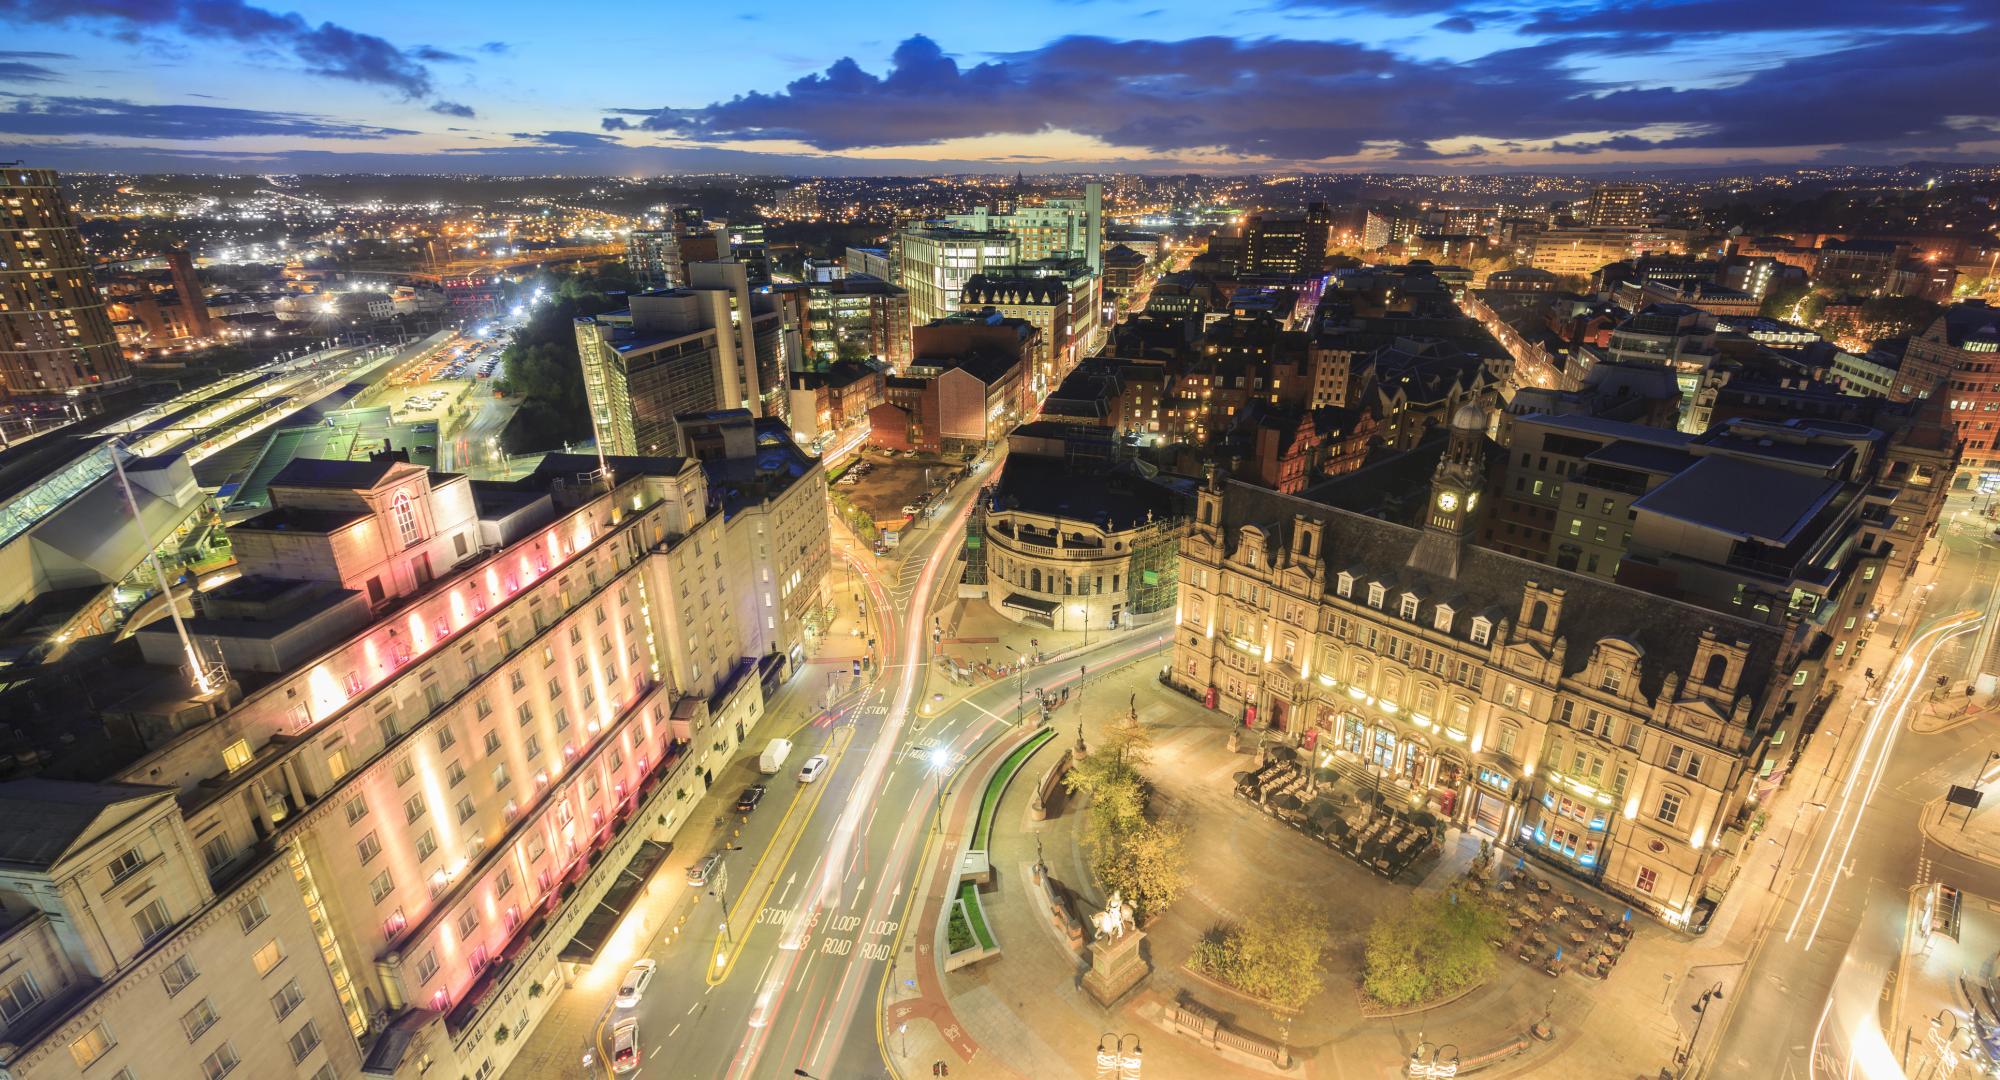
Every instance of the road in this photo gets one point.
(1859, 831)
(817, 891)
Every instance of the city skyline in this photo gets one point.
(1420, 85)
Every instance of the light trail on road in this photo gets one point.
(826, 888)
(1886, 720)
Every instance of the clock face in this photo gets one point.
(1471, 501)
(1447, 501)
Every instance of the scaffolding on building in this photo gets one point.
(1155, 574)
(975, 539)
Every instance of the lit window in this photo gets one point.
(236, 755)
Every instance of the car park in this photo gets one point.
(810, 771)
(633, 986)
(751, 796)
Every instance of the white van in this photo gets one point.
(774, 756)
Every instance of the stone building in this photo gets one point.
(1609, 732)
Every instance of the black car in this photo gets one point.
(751, 796)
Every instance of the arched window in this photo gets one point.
(406, 518)
(1539, 615)
(1718, 665)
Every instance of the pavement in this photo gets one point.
(1023, 1013)
(1928, 1026)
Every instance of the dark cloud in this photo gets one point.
(326, 49)
(20, 71)
(109, 117)
(16, 65)
(453, 108)
(1457, 24)
(496, 48)
(573, 140)
(1736, 17)
(1304, 100)
(431, 54)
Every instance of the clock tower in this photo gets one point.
(1455, 494)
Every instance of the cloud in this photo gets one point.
(110, 117)
(1302, 101)
(16, 65)
(556, 142)
(1457, 24)
(453, 108)
(1735, 17)
(496, 48)
(431, 54)
(326, 49)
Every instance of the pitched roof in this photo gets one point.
(41, 820)
(1667, 632)
(329, 473)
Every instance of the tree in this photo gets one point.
(1148, 866)
(1143, 859)
(1897, 316)
(541, 367)
(1782, 297)
(1276, 954)
(1436, 945)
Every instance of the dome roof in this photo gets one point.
(1470, 416)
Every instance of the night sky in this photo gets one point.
(899, 86)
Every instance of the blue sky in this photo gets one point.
(899, 86)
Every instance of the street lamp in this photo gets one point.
(1681, 1057)
(1114, 1060)
(939, 758)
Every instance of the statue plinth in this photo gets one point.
(1115, 967)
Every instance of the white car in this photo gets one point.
(636, 981)
(625, 1045)
(810, 771)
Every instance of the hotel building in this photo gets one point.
(433, 725)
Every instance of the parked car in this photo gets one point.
(810, 771)
(634, 986)
(751, 796)
(881, 548)
(625, 1045)
(699, 873)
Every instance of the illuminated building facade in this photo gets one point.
(388, 840)
(55, 334)
(1615, 734)
(710, 345)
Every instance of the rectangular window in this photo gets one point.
(465, 809)
(1670, 808)
(381, 887)
(468, 921)
(253, 913)
(125, 865)
(427, 966)
(236, 755)
(151, 921)
(88, 1047)
(268, 957)
(405, 772)
(1674, 756)
(1694, 766)
(454, 774)
(413, 808)
(1646, 879)
(198, 1020)
(303, 1042)
(357, 808)
(18, 996)
(368, 847)
(177, 976)
(220, 1063)
(427, 845)
(286, 999)
(216, 853)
